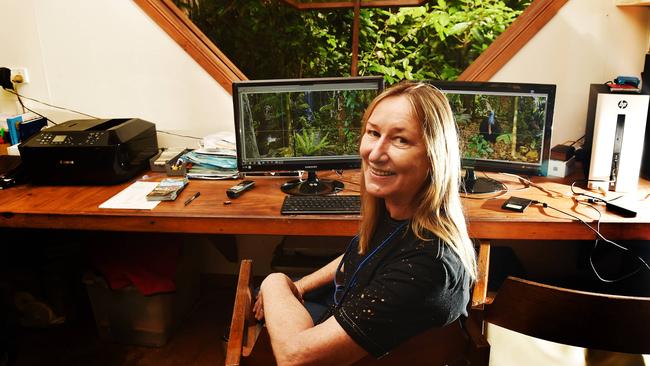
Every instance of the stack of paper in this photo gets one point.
(133, 197)
(216, 159)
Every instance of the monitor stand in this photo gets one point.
(312, 186)
(473, 184)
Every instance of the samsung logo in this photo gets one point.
(66, 162)
(311, 166)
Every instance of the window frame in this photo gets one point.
(180, 28)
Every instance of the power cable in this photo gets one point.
(48, 104)
(599, 236)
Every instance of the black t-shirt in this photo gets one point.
(407, 286)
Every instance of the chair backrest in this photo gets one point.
(451, 345)
(578, 318)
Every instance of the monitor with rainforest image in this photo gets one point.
(502, 127)
(301, 124)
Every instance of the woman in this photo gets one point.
(411, 265)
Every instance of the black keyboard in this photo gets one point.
(300, 205)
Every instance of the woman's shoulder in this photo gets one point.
(438, 254)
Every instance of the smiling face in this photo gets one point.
(395, 162)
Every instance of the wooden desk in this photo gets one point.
(258, 212)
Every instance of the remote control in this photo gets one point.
(237, 190)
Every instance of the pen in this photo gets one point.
(194, 196)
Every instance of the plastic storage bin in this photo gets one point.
(127, 316)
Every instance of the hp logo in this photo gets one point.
(622, 104)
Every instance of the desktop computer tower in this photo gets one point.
(616, 124)
(645, 82)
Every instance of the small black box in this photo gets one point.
(562, 152)
(516, 204)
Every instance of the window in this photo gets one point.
(335, 59)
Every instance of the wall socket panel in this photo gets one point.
(22, 71)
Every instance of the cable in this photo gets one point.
(339, 176)
(31, 110)
(487, 195)
(599, 236)
(480, 196)
(179, 135)
(574, 142)
(525, 185)
(550, 193)
(594, 199)
(73, 111)
(49, 105)
(591, 197)
(578, 140)
(593, 250)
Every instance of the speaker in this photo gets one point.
(645, 160)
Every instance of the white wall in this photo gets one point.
(587, 42)
(107, 58)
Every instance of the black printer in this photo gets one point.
(90, 151)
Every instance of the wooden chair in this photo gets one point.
(577, 318)
(249, 342)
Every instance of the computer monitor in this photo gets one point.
(301, 124)
(502, 127)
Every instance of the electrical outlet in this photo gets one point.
(19, 75)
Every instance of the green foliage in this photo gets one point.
(461, 116)
(268, 39)
(506, 138)
(479, 147)
(435, 41)
(308, 143)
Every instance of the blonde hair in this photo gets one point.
(439, 208)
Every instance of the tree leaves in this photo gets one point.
(269, 40)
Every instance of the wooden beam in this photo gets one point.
(512, 40)
(355, 39)
(297, 4)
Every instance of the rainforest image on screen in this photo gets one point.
(500, 127)
(303, 123)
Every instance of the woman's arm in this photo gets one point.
(294, 338)
(306, 284)
(318, 278)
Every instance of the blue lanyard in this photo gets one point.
(353, 279)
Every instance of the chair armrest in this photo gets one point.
(244, 329)
(479, 293)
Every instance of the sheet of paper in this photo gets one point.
(133, 197)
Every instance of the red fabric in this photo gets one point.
(150, 267)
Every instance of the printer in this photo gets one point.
(90, 151)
